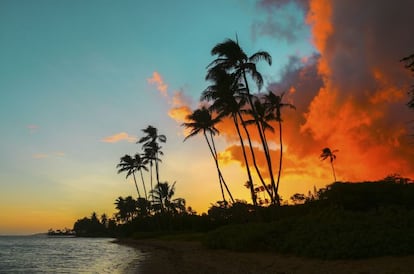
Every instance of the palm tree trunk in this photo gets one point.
(158, 181)
(249, 175)
(152, 186)
(136, 186)
(143, 184)
(217, 164)
(254, 157)
(260, 130)
(333, 171)
(217, 167)
(280, 163)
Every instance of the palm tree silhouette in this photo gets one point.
(233, 59)
(226, 101)
(127, 208)
(163, 193)
(152, 149)
(263, 116)
(130, 166)
(274, 105)
(328, 153)
(201, 121)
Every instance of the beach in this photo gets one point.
(163, 257)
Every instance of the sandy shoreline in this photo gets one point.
(191, 257)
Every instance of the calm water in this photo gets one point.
(43, 254)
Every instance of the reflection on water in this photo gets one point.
(43, 254)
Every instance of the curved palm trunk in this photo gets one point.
(265, 146)
(152, 186)
(158, 181)
(217, 164)
(143, 184)
(280, 163)
(217, 167)
(249, 175)
(333, 171)
(136, 186)
(254, 157)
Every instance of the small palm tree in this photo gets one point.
(328, 153)
(163, 193)
(129, 165)
(201, 121)
(151, 146)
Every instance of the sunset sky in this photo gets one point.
(80, 79)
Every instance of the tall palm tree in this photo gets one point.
(275, 105)
(201, 121)
(263, 116)
(232, 58)
(151, 146)
(226, 101)
(129, 165)
(328, 153)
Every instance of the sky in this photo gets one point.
(80, 79)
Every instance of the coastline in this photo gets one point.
(163, 257)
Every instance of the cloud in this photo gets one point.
(284, 20)
(180, 107)
(349, 96)
(33, 128)
(118, 137)
(158, 81)
(40, 156)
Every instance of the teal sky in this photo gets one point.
(73, 73)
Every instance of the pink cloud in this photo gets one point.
(157, 80)
(40, 156)
(122, 136)
(32, 128)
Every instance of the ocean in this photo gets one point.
(52, 254)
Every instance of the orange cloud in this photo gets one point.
(122, 136)
(157, 80)
(180, 107)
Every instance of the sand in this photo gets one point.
(164, 257)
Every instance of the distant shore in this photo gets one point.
(191, 257)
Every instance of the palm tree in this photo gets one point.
(232, 58)
(275, 104)
(163, 193)
(328, 153)
(263, 116)
(152, 149)
(141, 164)
(129, 165)
(202, 121)
(224, 94)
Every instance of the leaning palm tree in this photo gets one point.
(201, 121)
(233, 59)
(328, 153)
(128, 165)
(151, 146)
(275, 104)
(226, 101)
